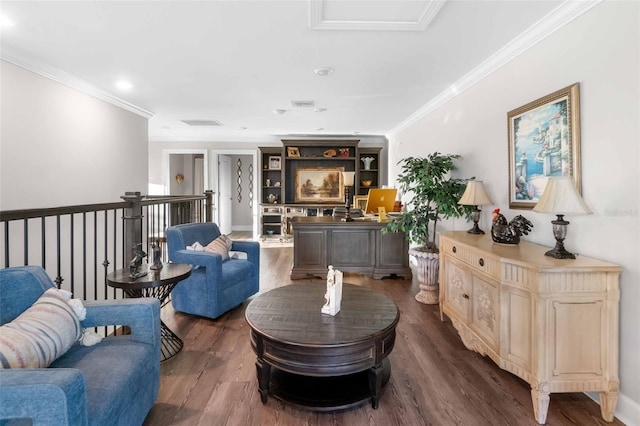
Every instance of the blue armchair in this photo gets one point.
(113, 382)
(215, 286)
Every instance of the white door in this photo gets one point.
(224, 194)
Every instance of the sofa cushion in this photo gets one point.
(220, 245)
(117, 374)
(41, 334)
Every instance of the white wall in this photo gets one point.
(61, 147)
(601, 50)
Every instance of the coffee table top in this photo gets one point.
(291, 314)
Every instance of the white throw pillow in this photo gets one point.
(220, 245)
(41, 334)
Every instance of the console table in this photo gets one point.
(358, 246)
(551, 322)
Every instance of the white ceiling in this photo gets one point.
(237, 61)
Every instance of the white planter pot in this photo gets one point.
(427, 265)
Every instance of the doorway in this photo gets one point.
(236, 180)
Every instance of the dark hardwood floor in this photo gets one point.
(435, 380)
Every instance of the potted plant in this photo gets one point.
(435, 196)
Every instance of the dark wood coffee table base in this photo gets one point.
(326, 393)
(318, 361)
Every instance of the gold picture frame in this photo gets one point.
(360, 202)
(544, 141)
(319, 185)
(293, 152)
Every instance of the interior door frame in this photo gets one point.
(166, 155)
(254, 158)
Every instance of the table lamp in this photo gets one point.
(561, 197)
(348, 178)
(475, 195)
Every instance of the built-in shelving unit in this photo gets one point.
(280, 168)
(368, 170)
(271, 191)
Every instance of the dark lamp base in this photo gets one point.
(476, 229)
(559, 252)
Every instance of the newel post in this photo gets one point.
(132, 222)
(208, 208)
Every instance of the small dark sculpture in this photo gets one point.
(136, 262)
(509, 233)
(157, 261)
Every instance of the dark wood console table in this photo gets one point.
(318, 361)
(358, 246)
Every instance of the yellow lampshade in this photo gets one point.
(475, 194)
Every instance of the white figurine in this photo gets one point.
(333, 296)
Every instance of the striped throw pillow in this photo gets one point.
(40, 334)
(220, 245)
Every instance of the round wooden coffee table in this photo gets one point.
(318, 361)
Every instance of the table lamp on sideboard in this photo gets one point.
(561, 197)
(475, 195)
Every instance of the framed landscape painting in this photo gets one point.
(544, 141)
(319, 185)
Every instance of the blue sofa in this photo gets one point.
(114, 382)
(215, 286)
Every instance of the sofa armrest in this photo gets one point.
(252, 248)
(198, 258)
(52, 396)
(141, 315)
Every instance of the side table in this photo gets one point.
(158, 284)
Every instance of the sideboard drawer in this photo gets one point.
(479, 261)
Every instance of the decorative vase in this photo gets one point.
(367, 162)
(427, 265)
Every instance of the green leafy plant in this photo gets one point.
(435, 197)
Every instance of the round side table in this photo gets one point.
(158, 284)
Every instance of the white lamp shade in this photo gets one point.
(475, 194)
(560, 196)
(348, 178)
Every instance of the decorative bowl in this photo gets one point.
(270, 231)
(366, 182)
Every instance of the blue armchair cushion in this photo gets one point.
(41, 334)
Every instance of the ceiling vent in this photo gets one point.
(303, 104)
(202, 123)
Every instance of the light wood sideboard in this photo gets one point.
(553, 323)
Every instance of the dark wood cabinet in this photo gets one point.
(270, 191)
(358, 246)
(280, 167)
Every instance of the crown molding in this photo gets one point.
(67, 79)
(317, 21)
(552, 22)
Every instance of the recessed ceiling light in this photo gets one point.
(320, 109)
(279, 111)
(324, 71)
(124, 85)
(243, 128)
